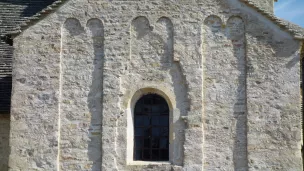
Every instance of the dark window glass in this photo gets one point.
(155, 120)
(147, 155)
(138, 154)
(163, 121)
(147, 142)
(164, 131)
(155, 132)
(164, 143)
(139, 132)
(139, 142)
(155, 142)
(151, 129)
(155, 155)
(164, 155)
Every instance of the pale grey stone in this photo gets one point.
(229, 75)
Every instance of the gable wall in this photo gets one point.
(235, 81)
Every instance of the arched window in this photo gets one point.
(151, 129)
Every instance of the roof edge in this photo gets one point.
(52, 8)
(39, 16)
(279, 22)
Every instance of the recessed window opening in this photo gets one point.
(151, 129)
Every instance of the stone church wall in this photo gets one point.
(230, 77)
(225, 92)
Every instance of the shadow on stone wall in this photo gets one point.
(95, 27)
(237, 36)
(4, 141)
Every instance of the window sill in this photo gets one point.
(143, 163)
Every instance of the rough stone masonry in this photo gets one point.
(230, 76)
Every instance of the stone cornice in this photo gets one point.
(293, 29)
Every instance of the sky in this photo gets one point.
(291, 10)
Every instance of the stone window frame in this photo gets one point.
(169, 97)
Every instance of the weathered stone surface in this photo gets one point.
(230, 77)
(225, 93)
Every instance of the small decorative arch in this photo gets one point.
(95, 26)
(164, 27)
(235, 27)
(150, 90)
(141, 26)
(214, 23)
(235, 17)
(73, 26)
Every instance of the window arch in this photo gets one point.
(151, 129)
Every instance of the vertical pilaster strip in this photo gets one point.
(59, 97)
(236, 33)
(189, 55)
(225, 94)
